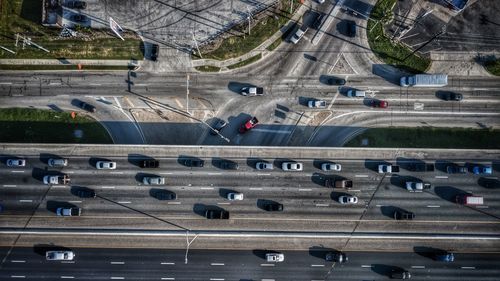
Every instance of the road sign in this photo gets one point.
(116, 28)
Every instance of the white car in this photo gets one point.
(275, 257)
(58, 162)
(348, 199)
(298, 35)
(291, 166)
(316, 104)
(153, 180)
(16, 162)
(417, 186)
(59, 255)
(331, 167)
(263, 166)
(235, 196)
(105, 165)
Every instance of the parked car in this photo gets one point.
(228, 165)
(153, 180)
(482, 170)
(58, 162)
(88, 107)
(218, 127)
(348, 199)
(451, 96)
(105, 165)
(264, 166)
(379, 103)
(16, 162)
(456, 169)
(336, 257)
(334, 81)
(351, 28)
(155, 51)
(446, 257)
(59, 255)
(273, 207)
(291, 166)
(275, 257)
(194, 163)
(331, 167)
(403, 215)
(235, 196)
(298, 35)
(316, 104)
(76, 4)
(79, 18)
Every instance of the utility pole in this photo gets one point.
(8, 50)
(196, 45)
(249, 17)
(187, 94)
(188, 244)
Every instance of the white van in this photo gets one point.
(356, 94)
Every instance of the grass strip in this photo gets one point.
(493, 67)
(25, 125)
(390, 52)
(208, 68)
(460, 138)
(275, 44)
(245, 62)
(62, 67)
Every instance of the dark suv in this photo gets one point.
(155, 50)
(228, 165)
(194, 163)
(151, 163)
(87, 107)
(273, 207)
(403, 215)
(79, 18)
(456, 169)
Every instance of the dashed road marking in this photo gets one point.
(441, 177)
(305, 189)
(216, 264)
(223, 203)
(433, 206)
(366, 265)
(468, 267)
(108, 187)
(322, 205)
(263, 174)
(17, 276)
(17, 171)
(25, 201)
(417, 266)
(255, 188)
(317, 265)
(174, 203)
(9, 185)
(117, 262)
(361, 176)
(17, 261)
(266, 264)
(67, 277)
(124, 202)
(206, 188)
(168, 263)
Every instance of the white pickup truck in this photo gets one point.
(64, 179)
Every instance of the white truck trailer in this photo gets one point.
(424, 80)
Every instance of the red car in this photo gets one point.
(379, 103)
(250, 124)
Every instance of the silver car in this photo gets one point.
(16, 162)
(105, 165)
(275, 257)
(153, 180)
(263, 166)
(348, 199)
(59, 255)
(53, 162)
(331, 167)
(234, 196)
(291, 166)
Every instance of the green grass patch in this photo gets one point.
(275, 44)
(22, 125)
(24, 17)
(428, 138)
(62, 67)
(245, 62)
(242, 42)
(208, 68)
(493, 67)
(390, 52)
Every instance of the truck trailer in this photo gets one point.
(424, 80)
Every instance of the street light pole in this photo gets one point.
(187, 94)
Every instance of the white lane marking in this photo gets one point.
(433, 206)
(173, 203)
(17, 171)
(67, 277)
(55, 84)
(366, 265)
(117, 278)
(117, 262)
(266, 264)
(5, 83)
(116, 173)
(223, 203)
(267, 280)
(379, 205)
(255, 188)
(322, 205)
(94, 84)
(140, 85)
(25, 200)
(166, 173)
(317, 265)
(70, 172)
(305, 189)
(167, 278)
(417, 266)
(214, 263)
(124, 202)
(68, 262)
(206, 188)
(361, 176)
(214, 174)
(273, 131)
(263, 174)
(441, 177)
(17, 276)
(168, 263)
(74, 201)
(217, 279)
(17, 261)
(108, 187)
(468, 267)
(9, 185)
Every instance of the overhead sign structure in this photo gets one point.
(117, 29)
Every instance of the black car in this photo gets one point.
(451, 96)
(228, 165)
(155, 50)
(335, 81)
(87, 107)
(400, 274)
(456, 169)
(403, 215)
(318, 21)
(194, 163)
(217, 214)
(351, 28)
(165, 195)
(79, 18)
(336, 257)
(86, 193)
(273, 207)
(151, 163)
(218, 127)
(76, 4)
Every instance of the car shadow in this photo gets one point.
(319, 178)
(441, 165)
(236, 87)
(41, 249)
(183, 158)
(159, 193)
(223, 192)
(44, 157)
(372, 164)
(334, 195)
(385, 270)
(136, 159)
(93, 161)
(400, 181)
(428, 252)
(320, 251)
(261, 203)
(388, 211)
(75, 190)
(252, 162)
(449, 193)
(140, 176)
(53, 205)
(408, 164)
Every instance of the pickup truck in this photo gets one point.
(421, 167)
(388, 169)
(248, 125)
(69, 212)
(417, 186)
(150, 163)
(252, 91)
(347, 184)
(64, 179)
(217, 214)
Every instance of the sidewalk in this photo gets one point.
(65, 62)
(261, 49)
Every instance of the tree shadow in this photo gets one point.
(449, 193)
